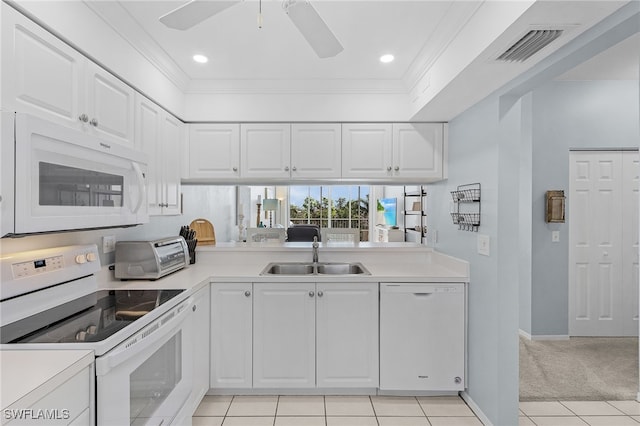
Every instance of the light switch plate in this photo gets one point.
(484, 243)
(108, 243)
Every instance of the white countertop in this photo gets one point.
(33, 374)
(241, 262)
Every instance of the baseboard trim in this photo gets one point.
(543, 336)
(476, 409)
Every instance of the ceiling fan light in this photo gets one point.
(385, 59)
(201, 59)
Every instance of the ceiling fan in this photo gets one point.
(301, 12)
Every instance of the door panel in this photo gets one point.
(603, 286)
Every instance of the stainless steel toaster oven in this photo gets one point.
(136, 260)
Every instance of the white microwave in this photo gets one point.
(56, 178)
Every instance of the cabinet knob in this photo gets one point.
(320, 294)
(247, 293)
(457, 380)
(397, 168)
(83, 117)
(235, 169)
(389, 168)
(286, 169)
(311, 294)
(94, 122)
(294, 168)
(194, 308)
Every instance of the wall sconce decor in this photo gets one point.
(554, 206)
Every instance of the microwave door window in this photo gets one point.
(61, 185)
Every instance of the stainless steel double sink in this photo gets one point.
(320, 268)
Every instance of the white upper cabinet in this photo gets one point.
(46, 77)
(214, 151)
(108, 105)
(265, 151)
(316, 150)
(367, 151)
(418, 150)
(159, 135)
(397, 152)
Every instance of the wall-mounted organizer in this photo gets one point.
(466, 207)
(415, 206)
(554, 206)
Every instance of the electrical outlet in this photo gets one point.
(108, 243)
(555, 236)
(484, 243)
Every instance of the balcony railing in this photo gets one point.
(361, 224)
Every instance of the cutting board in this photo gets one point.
(205, 234)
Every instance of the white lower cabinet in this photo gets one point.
(231, 331)
(284, 349)
(294, 335)
(347, 335)
(201, 323)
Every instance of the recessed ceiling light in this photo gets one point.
(385, 59)
(201, 59)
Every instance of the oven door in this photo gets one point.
(67, 179)
(147, 379)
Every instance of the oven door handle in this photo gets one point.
(146, 341)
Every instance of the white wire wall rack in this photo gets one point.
(466, 207)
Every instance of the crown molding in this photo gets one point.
(129, 29)
(296, 87)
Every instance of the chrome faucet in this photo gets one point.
(315, 246)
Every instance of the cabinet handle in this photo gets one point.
(235, 169)
(389, 168)
(320, 294)
(83, 117)
(286, 169)
(294, 168)
(247, 293)
(311, 294)
(397, 168)
(94, 122)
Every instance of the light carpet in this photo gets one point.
(581, 368)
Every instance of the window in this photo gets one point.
(331, 207)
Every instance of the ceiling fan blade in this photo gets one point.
(194, 12)
(313, 28)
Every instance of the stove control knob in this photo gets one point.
(81, 258)
(91, 257)
(92, 329)
(81, 336)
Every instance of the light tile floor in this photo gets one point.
(399, 411)
(333, 411)
(569, 413)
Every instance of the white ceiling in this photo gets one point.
(419, 33)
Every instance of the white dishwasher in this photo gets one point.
(422, 336)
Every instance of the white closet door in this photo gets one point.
(630, 221)
(600, 298)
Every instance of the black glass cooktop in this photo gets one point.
(91, 318)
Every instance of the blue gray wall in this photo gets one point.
(568, 115)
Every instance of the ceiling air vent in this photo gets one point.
(529, 44)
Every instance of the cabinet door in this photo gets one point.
(40, 74)
(231, 344)
(417, 150)
(366, 151)
(172, 145)
(109, 106)
(201, 323)
(214, 151)
(316, 151)
(284, 335)
(347, 335)
(265, 151)
(148, 118)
